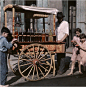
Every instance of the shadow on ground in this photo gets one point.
(75, 80)
(14, 79)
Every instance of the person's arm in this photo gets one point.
(65, 36)
(81, 47)
(7, 44)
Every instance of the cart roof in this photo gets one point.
(30, 9)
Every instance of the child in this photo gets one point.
(82, 49)
(4, 45)
(76, 55)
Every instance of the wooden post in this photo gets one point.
(54, 23)
(13, 9)
(53, 60)
(44, 24)
(5, 19)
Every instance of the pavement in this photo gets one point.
(14, 80)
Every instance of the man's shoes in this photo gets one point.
(59, 72)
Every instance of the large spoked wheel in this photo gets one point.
(13, 63)
(34, 62)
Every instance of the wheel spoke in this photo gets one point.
(44, 68)
(37, 72)
(29, 51)
(14, 64)
(26, 60)
(26, 55)
(33, 73)
(34, 51)
(26, 69)
(30, 71)
(13, 59)
(37, 52)
(26, 64)
(41, 52)
(36, 55)
(43, 56)
(47, 63)
(41, 71)
(45, 59)
(30, 54)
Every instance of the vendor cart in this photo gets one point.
(35, 58)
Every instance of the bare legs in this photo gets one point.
(79, 65)
(72, 68)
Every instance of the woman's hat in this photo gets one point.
(60, 15)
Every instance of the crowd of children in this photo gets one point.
(79, 50)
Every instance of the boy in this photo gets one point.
(4, 45)
(83, 49)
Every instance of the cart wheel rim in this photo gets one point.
(36, 66)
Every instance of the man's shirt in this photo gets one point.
(61, 30)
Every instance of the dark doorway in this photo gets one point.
(29, 23)
(71, 19)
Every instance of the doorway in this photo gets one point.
(29, 23)
(69, 10)
(71, 19)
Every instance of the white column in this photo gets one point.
(80, 15)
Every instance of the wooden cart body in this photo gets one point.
(32, 47)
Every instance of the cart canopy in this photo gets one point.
(30, 10)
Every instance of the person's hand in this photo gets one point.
(59, 41)
(74, 42)
(77, 45)
(15, 45)
(13, 40)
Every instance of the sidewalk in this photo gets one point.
(69, 50)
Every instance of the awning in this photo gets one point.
(30, 9)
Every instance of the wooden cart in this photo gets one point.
(36, 58)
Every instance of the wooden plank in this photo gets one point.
(13, 10)
(54, 24)
(44, 24)
(5, 19)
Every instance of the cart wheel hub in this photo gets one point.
(36, 62)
